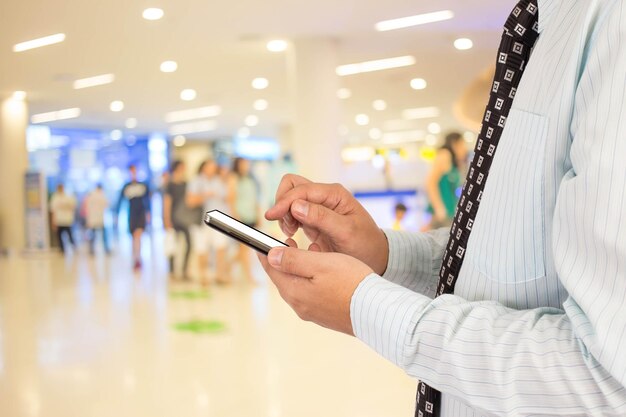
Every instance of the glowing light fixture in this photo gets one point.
(179, 140)
(434, 128)
(376, 65)
(116, 106)
(55, 115)
(379, 105)
(344, 93)
(463, 44)
(251, 120)
(131, 123)
(375, 134)
(260, 83)
(260, 104)
(277, 45)
(409, 21)
(192, 127)
(115, 134)
(153, 13)
(362, 119)
(358, 153)
(192, 114)
(168, 66)
(188, 94)
(94, 81)
(39, 42)
(418, 84)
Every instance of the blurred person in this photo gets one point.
(209, 191)
(95, 206)
(246, 208)
(519, 308)
(138, 196)
(400, 211)
(63, 208)
(445, 179)
(176, 215)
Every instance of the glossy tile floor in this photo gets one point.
(85, 336)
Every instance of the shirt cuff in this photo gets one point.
(382, 314)
(415, 258)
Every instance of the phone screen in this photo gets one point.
(241, 232)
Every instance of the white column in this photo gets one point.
(13, 165)
(315, 143)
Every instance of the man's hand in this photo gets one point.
(318, 286)
(331, 218)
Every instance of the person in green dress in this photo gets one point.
(444, 179)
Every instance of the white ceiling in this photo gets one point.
(220, 48)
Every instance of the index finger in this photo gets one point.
(288, 182)
(327, 195)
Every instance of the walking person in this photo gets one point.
(210, 192)
(176, 215)
(96, 204)
(138, 196)
(444, 179)
(63, 208)
(246, 208)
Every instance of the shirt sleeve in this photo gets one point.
(414, 259)
(569, 361)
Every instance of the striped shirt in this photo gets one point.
(537, 322)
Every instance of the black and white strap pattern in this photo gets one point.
(520, 34)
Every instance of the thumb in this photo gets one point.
(297, 262)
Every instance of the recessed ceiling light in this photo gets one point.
(463, 44)
(192, 114)
(115, 134)
(277, 45)
(243, 132)
(420, 19)
(376, 65)
(344, 93)
(251, 120)
(169, 66)
(152, 13)
(116, 105)
(39, 42)
(55, 115)
(260, 83)
(362, 119)
(379, 105)
(188, 94)
(19, 95)
(260, 104)
(375, 133)
(131, 123)
(434, 128)
(94, 81)
(192, 127)
(418, 84)
(179, 140)
(420, 113)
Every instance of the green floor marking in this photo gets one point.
(190, 295)
(200, 326)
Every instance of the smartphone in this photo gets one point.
(245, 234)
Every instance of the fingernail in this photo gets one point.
(301, 208)
(275, 257)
